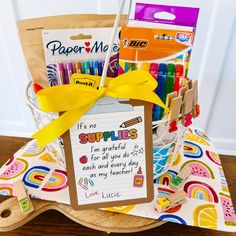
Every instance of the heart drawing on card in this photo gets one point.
(87, 44)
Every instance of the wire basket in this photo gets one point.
(166, 145)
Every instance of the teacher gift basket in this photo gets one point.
(168, 134)
(112, 119)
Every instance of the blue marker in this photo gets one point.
(95, 68)
(160, 91)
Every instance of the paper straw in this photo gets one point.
(113, 35)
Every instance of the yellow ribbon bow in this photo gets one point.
(75, 100)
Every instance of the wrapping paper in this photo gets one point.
(208, 199)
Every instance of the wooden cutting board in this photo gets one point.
(11, 217)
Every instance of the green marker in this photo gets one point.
(86, 68)
(169, 83)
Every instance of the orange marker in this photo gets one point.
(131, 122)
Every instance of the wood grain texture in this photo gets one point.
(54, 223)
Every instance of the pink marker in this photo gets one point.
(60, 73)
(69, 71)
(154, 70)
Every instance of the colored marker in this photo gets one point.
(128, 66)
(145, 66)
(69, 71)
(161, 78)
(101, 65)
(78, 67)
(61, 73)
(134, 66)
(86, 68)
(154, 70)
(179, 72)
(169, 83)
(95, 68)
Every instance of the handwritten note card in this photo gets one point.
(109, 157)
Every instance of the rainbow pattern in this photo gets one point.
(192, 150)
(213, 156)
(199, 169)
(172, 218)
(7, 189)
(32, 150)
(201, 134)
(201, 191)
(35, 176)
(57, 181)
(224, 185)
(166, 178)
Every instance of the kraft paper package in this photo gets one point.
(30, 31)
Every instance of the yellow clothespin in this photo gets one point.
(23, 198)
(179, 180)
(170, 201)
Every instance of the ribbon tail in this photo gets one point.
(59, 126)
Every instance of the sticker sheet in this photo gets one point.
(208, 205)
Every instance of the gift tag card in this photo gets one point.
(109, 158)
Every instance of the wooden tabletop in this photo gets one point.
(54, 223)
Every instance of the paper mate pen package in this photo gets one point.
(69, 51)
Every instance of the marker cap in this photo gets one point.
(78, 65)
(145, 66)
(171, 68)
(86, 65)
(162, 67)
(101, 65)
(153, 67)
(60, 67)
(69, 66)
(95, 64)
(179, 68)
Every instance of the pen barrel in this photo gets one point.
(60, 77)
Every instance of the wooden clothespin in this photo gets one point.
(189, 84)
(179, 180)
(171, 201)
(187, 107)
(196, 106)
(23, 198)
(174, 103)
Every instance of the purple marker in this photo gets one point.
(60, 73)
(69, 71)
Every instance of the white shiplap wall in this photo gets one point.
(212, 61)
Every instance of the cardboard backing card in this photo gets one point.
(111, 168)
